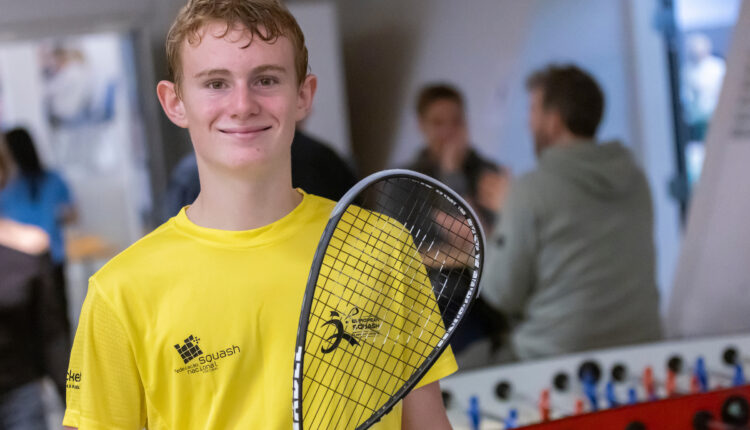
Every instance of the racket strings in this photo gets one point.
(466, 247)
(367, 285)
(413, 263)
(435, 199)
(427, 346)
(376, 344)
(374, 263)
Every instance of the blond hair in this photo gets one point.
(265, 19)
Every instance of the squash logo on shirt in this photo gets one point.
(360, 328)
(205, 362)
(189, 350)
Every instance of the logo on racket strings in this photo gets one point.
(336, 338)
(353, 328)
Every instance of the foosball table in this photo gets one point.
(694, 384)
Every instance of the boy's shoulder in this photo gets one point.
(148, 258)
(319, 206)
(138, 259)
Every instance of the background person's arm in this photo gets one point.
(509, 274)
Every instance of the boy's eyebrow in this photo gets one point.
(211, 72)
(269, 68)
(224, 72)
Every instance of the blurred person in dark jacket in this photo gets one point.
(447, 156)
(33, 335)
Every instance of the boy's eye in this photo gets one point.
(215, 85)
(267, 81)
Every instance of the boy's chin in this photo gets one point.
(252, 164)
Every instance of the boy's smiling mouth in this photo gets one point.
(244, 131)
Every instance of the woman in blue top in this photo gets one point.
(39, 197)
(33, 340)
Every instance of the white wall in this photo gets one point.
(329, 119)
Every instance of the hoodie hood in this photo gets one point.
(605, 170)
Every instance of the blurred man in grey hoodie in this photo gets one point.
(571, 265)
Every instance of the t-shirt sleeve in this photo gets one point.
(444, 366)
(103, 389)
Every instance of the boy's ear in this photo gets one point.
(171, 103)
(305, 96)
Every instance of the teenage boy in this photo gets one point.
(193, 327)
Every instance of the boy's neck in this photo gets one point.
(238, 204)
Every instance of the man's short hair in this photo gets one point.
(573, 93)
(429, 94)
(266, 19)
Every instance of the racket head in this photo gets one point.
(395, 271)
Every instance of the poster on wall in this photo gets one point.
(79, 98)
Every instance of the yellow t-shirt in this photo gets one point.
(194, 328)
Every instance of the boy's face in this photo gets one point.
(240, 103)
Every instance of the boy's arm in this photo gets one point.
(424, 409)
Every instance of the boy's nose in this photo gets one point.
(244, 103)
